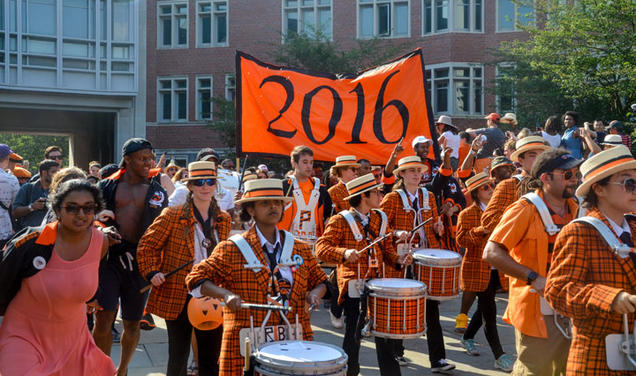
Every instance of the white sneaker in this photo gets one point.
(335, 322)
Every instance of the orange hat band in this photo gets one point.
(479, 182)
(533, 145)
(362, 187)
(410, 164)
(345, 163)
(607, 165)
(206, 172)
(265, 192)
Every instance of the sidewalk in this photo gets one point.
(152, 353)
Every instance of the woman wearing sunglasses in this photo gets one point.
(47, 275)
(478, 276)
(181, 234)
(589, 281)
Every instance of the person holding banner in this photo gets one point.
(590, 281)
(182, 233)
(257, 266)
(346, 234)
(310, 207)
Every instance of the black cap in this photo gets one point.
(108, 170)
(563, 162)
(132, 145)
(205, 152)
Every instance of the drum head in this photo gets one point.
(431, 256)
(298, 357)
(397, 286)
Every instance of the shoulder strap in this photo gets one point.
(288, 248)
(316, 184)
(544, 213)
(612, 241)
(385, 222)
(247, 252)
(424, 204)
(519, 177)
(294, 182)
(405, 200)
(352, 224)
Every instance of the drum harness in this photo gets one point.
(551, 229)
(628, 345)
(417, 218)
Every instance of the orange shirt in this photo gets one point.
(290, 209)
(463, 152)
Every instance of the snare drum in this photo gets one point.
(439, 269)
(300, 358)
(397, 307)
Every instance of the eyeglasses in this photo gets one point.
(57, 157)
(629, 184)
(75, 209)
(487, 187)
(202, 182)
(567, 175)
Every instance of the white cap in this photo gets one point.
(420, 140)
(262, 167)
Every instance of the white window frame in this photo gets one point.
(451, 19)
(498, 97)
(299, 8)
(230, 87)
(516, 20)
(451, 97)
(174, 32)
(375, 4)
(174, 108)
(199, 102)
(213, 36)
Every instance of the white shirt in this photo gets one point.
(9, 187)
(482, 206)
(554, 141)
(619, 229)
(364, 219)
(285, 271)
(452, 141)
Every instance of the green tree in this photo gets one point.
(31, 147)
(579, 55)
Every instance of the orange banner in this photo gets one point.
(279, 108)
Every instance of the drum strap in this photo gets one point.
(544, 212)
(247, 252)
(357, 235)
(288, 248)
(618, 247)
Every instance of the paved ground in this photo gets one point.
(152, 353)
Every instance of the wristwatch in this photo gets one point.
(531, 277)
(31, 207)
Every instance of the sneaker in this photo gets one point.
(402, 361)
(442, 366)
(147, 322)
(461, 323)
(116, 336)
(335, 322)
(505, 362)
(469, 345)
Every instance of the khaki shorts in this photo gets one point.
(541, 356)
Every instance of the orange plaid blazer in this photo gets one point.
(584, 278)
(225, 267)
(399, 219)
(505, 194)
(337, 238)
(338, 192)
(167, 244)
(475, 273)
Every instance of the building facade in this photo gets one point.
(192, 44)
(76, 68)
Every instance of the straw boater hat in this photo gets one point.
(613, 140)
(344, 161)
(604, 164)
(170, 165)
(360, 185)
(528, 143)
(410, 162)
(509, 118)
(249, 176)
(477, 181)
(201, 170)
(263, 189)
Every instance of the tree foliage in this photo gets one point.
(31, 147)
(579, 55)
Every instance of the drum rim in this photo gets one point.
(401, 291)
(420, 258)
(270, 363)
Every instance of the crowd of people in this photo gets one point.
(545, 215)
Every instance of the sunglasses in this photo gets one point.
(202, 182)
(629, 184)
(57, 157)
(75, 209)
(487, 187)
(567, 175)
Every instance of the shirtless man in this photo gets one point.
(132, 202)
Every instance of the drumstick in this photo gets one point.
(265, 307)
(389, 234)
(167, 275)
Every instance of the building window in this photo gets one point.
(456, 89)
(383, 18)
(172, 27)
(511, 14)
(204, 98)
(230, 87)
(307, 17)
(441, 16)
(212, 26)
(506, 99)
(172, 99)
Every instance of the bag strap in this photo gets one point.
(612, 241)
(247, 252)
(544, 213)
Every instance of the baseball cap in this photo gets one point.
(5, 151)
(563, 162)
(493, 116)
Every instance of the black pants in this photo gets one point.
(179, 337)
(335, 308)
(487, 313)
(434, 335)
(384, 348)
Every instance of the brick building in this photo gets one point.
(191, 46)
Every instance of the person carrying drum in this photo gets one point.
(478, 276)
(589, 281)
(521, 247)
(406, 207)
(346, 234)
(182, 234)
(257, 266)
